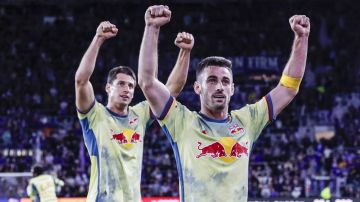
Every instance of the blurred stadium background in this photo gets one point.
(316, 139)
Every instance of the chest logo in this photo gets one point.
(227, 149)
(133, 121)
(128, 138)
(235, 129)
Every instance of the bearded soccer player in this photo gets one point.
(212, 146)
(114, 134)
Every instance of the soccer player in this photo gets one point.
(42, 187)
(114, 133)
(212, 147)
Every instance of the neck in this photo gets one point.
(120, 109)
(215, 114)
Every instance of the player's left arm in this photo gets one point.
(155, 91)
(294, 70)
(30, 191)
(178, 76)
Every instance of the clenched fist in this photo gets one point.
(157, 16)
(300, 24)
(184, 40)
(106, 30)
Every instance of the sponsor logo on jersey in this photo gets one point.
(128, 138)
(227, 149)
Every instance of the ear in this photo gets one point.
(107, 88)
(232, 89)
(197, 87)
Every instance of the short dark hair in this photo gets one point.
(37, 170)
(120, 69)
(213, 61)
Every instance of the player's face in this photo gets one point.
(121, 90)
(215, 87)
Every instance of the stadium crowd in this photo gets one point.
(42, 44)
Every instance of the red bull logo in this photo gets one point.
(133, 121)
(127, 138)
(135, 138)
(236, 129)
(226, 149)
(121, 139)
(237, 150)
(215, 150)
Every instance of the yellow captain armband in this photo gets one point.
(290, 82)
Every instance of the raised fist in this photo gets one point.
(300, 24)
(106, 30)
(157, 15)
(184, 40)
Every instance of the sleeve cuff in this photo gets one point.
(86, 111)
(166, 108)
(270, 108)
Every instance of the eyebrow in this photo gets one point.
(212, 77)
(127, 82)
(215, 77)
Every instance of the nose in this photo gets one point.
(126, 89)
(219, 86)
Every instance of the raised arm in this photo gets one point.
(294, 70)
(155, 92)
(178, 76)
(83, 88)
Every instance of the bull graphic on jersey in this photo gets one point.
(226, 149)
(127, 138)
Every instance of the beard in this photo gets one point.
(219, 107)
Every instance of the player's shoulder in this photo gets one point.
(99, 105)
(140, 108)
(181, 110)
(95, 108)
(39, 178)
(141, 105)
(242, 109)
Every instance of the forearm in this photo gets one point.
(88, 61)
(178, 76)
(148, 56)
(295, 67)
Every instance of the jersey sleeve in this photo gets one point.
(174, 119)
(87, 121)
(90, 115)
(257, 116)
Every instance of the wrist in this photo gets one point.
(302, 36)
(152, 26)
(99, 40)
(185, 50)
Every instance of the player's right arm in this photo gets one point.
(83, 88)
(155, 92)
(58, 182)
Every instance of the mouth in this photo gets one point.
(219, 96)
(124, 96)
